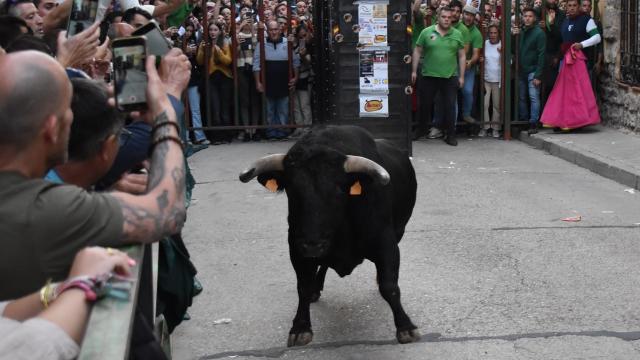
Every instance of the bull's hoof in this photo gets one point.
(314, 297)
(408, 336)
(300, 339)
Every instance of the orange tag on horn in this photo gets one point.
(272, 185)
(356, 189)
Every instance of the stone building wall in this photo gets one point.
(619, 103)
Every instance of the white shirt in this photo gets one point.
(492, 68)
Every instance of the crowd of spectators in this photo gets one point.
(458, 50)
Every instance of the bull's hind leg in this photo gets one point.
(387, 266)
(319, 283)
(300, 333)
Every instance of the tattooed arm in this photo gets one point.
(160, 211)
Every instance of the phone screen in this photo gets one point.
(130, 76)
(83, 15)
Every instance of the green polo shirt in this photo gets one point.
(476, 42)
(466, 36)
(440, 52)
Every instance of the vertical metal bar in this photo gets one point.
(408, 22)
(506, 68)
(483, 31)
(207, 55)
(234, 62)
(516, 72)
(290, 58)
(262, 61)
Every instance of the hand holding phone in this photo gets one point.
(175, 72)
(80, 48)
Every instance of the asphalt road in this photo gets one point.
(489, 270)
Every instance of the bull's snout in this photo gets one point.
(313, 250)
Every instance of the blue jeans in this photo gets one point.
(526, 86)
(277, 114)
(467, 91)
(196, 118)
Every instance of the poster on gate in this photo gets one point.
(374, 105)
(374, 70)
(372, 20)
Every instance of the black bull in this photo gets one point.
(350, 198)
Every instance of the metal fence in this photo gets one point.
(629, 42)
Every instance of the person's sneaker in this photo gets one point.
(203, 142)
(469, 120)
(451, 140)
(533, 129)
(496, 134)
(434, 133)
(482, 133)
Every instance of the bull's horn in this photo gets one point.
(355, 164)
(262, 165)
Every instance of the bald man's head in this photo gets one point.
(33, 86)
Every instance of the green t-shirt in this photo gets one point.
(466, 36)
(476, 42)
(44, 225)
(178, 17)
(440, 52)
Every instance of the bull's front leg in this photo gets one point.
(300, 333)
(387, 266)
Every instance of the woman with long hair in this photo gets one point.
(220, 80)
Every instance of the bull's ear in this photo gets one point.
(356, 189)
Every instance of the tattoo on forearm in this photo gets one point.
(144, 223)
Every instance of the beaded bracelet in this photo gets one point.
(84, 283)
(160, 124)
(163, 138)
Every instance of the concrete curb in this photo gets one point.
(597, 164)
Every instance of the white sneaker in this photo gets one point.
(434, 133)
(482, 133)
(496, 134)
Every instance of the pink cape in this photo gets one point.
(571, 103)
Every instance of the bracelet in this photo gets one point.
(47, 294)
(160, 124)
(84, 283)
(163, 138)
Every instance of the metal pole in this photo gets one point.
(234, 62)
(262, 61)
(290, 58)
(516, 75)
(506, 68)
(207, 55)
(483, 31)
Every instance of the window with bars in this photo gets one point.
(629, 42)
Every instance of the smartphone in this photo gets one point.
(157, 44)
(83, 15)
(129, 75)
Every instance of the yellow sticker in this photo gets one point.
(272, 185)
(356, 189)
